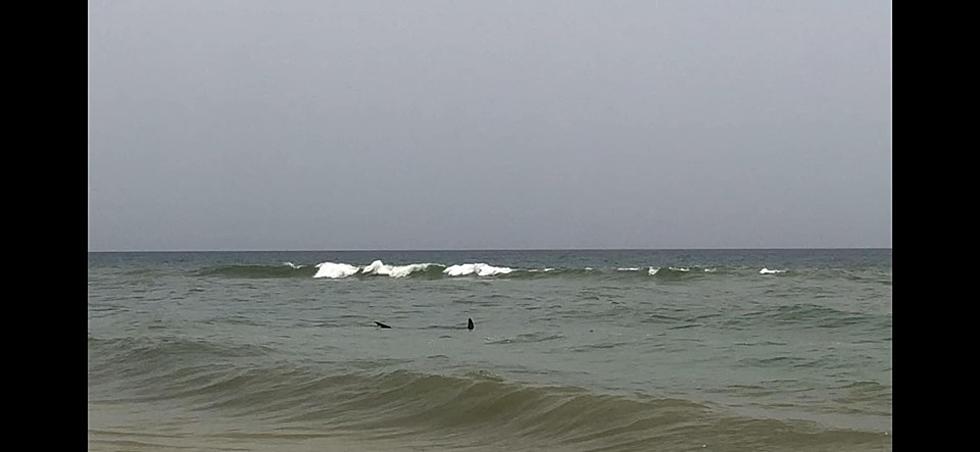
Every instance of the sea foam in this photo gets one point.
(395, 271)
(766, 271)
(334, 270)
(480, 269)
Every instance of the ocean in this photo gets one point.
(571, 350)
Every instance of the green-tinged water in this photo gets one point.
(571, 350)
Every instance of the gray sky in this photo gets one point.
(220, 125)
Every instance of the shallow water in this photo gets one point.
(572, 350)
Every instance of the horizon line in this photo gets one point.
(483, 249)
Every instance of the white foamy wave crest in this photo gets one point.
(680, 269)
(538, 270)
(653, 270)
(710, 270)
(628, 269)
(292, 265)
(395, 271)
(766, 271)
(480, 269)
(334, 270)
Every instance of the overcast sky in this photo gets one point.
(287, 125)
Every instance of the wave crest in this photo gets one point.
(479, 269)
(766, 271)
(469, 405)
(431, 270)
(334, 270)
(395, 271)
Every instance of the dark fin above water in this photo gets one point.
(381, 324)
(469, 324)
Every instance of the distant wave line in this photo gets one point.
(432, 270)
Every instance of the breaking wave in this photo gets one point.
(766, 271)
(479, 269)
(431, 270)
